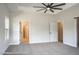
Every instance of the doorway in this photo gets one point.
(24, 32)
(77, 27)
(60, 31)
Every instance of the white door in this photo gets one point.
(52, 32)
(6, 28)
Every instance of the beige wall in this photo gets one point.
(3, 43)
(38, 27)
(69, 23)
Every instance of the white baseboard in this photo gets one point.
(69, 44)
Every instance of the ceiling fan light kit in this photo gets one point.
(50, 7)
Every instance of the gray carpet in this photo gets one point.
(42, 49)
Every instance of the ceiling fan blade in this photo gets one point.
(48, 4)
(45, 11)
(59, 5)
(51, 10)
(38, 7)
(58, 8)
(41, 9)
(44, 4)
(51, 4)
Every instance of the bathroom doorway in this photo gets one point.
(24, 32)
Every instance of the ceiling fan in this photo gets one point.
(49, 6)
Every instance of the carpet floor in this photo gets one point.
(42, 49)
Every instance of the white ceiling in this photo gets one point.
(28, 7)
